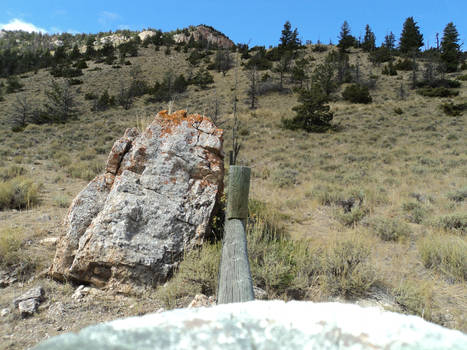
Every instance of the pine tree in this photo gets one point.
(390, 41)
(75, 54)
(313, 114)
(369, 41)
(411, 38)
(289, 40)
(450, 48)
(345, 39)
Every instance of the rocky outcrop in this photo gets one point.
(146, 33)
(266, 325)
(131, 225)
(202, 32)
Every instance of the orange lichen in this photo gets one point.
(169, 121)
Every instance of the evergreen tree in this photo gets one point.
(289, 40)
(75, 54)
(324, 77)
(346, 40)
(61, 103)
(390, 41)
(90, 51)
(369, 41)
(283, 66)
(450, 48)
(312, 114)
(411, 39)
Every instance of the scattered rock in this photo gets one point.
(4, 312)
(268, 325)
(28, 307)
(56, 310)
(201, 300)
(49, 240)
(34, 293)
(259, 293)
(7, 279)
(131, 225)
(45, 217)
(29, 301)
(80, 292)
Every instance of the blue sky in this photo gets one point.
(257, 22)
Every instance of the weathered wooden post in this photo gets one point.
(235, 284)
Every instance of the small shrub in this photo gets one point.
(75, 81)
(66, 72)
(416, 212)
(13, 84)
(446, 253)
(320, 48)
(449, 108)
(405, 64)
(437, 92)
(389, 229)
(11, 172)
(18, 193)
(398, 110)
(446, 83)
(284, 177)
(202, 78)
(197, 273)
(414, 298)
(453, 222)
(458, 195)
(91, 96)
(11, 240)
(462, 77)
(61, 201)
(81, 64)
(389, 70)
(356, 93)
(86, 170)
(347, 270)
(352, 217)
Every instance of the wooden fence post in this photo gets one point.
(235, 283)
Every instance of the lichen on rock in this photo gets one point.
(131, 225)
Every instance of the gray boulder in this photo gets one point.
(131, 225)
(266, 325)
(28, 303)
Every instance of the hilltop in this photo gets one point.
(372, 210)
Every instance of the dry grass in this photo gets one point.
(406, 171)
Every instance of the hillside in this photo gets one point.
(385, 186)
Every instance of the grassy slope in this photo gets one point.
(386, 158)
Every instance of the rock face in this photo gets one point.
(131, 225)
(266, 325)
(209, 34)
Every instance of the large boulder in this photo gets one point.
(265, 325)
(131, 225)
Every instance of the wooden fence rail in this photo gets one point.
(235, 284)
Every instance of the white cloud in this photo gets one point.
(17, 24)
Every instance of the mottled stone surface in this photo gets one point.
(131, 225)
(36, 293)
(266, 325)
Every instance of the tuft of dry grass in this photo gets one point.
(11, 240)
(18, 193)
(445, 253)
